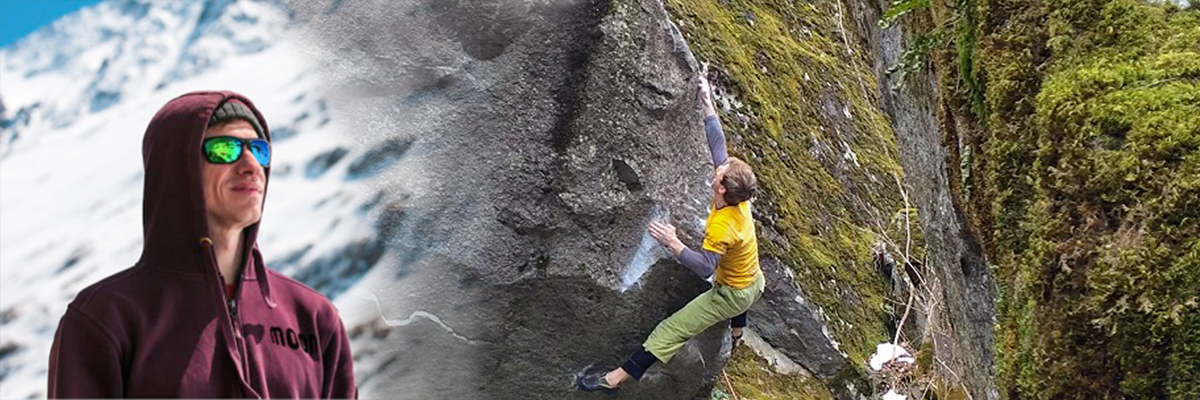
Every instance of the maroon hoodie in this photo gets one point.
(166, 328)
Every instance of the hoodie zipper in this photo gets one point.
(234, 321)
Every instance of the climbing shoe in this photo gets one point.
(735, 340)
(594, 382)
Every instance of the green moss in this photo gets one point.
(1080, 178)
(824, 153)
(900, 8)
(967, 44)
(1092, 142)
(753, 378)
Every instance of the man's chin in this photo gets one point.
(248, 218)
(251, 219)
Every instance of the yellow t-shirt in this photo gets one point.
(730, 233)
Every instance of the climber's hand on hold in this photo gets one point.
(706, 99)
(664, 233)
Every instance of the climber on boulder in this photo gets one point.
(730, 250)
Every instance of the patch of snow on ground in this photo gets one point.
(887, 352)
(892, 395)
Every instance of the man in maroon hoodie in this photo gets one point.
(200, 315)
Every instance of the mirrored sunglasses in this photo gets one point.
(228, 149)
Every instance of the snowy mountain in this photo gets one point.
(75, 98)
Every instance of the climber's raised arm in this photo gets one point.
(712, 125)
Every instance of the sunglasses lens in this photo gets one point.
(262, 152)
(227, 149)
(222, 150)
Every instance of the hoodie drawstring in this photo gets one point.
(264, 285)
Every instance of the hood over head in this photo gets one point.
(174, 217)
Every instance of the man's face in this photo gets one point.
(233, 193)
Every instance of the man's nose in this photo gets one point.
(247, 164)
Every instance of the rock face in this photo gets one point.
(542, 137)
(957, 272)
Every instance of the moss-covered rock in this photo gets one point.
(752, 377)
(1089, 200)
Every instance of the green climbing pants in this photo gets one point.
(717, 304)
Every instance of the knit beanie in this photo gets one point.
(234, 109)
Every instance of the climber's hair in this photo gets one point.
(739, 181)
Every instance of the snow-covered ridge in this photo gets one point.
(91, 59)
